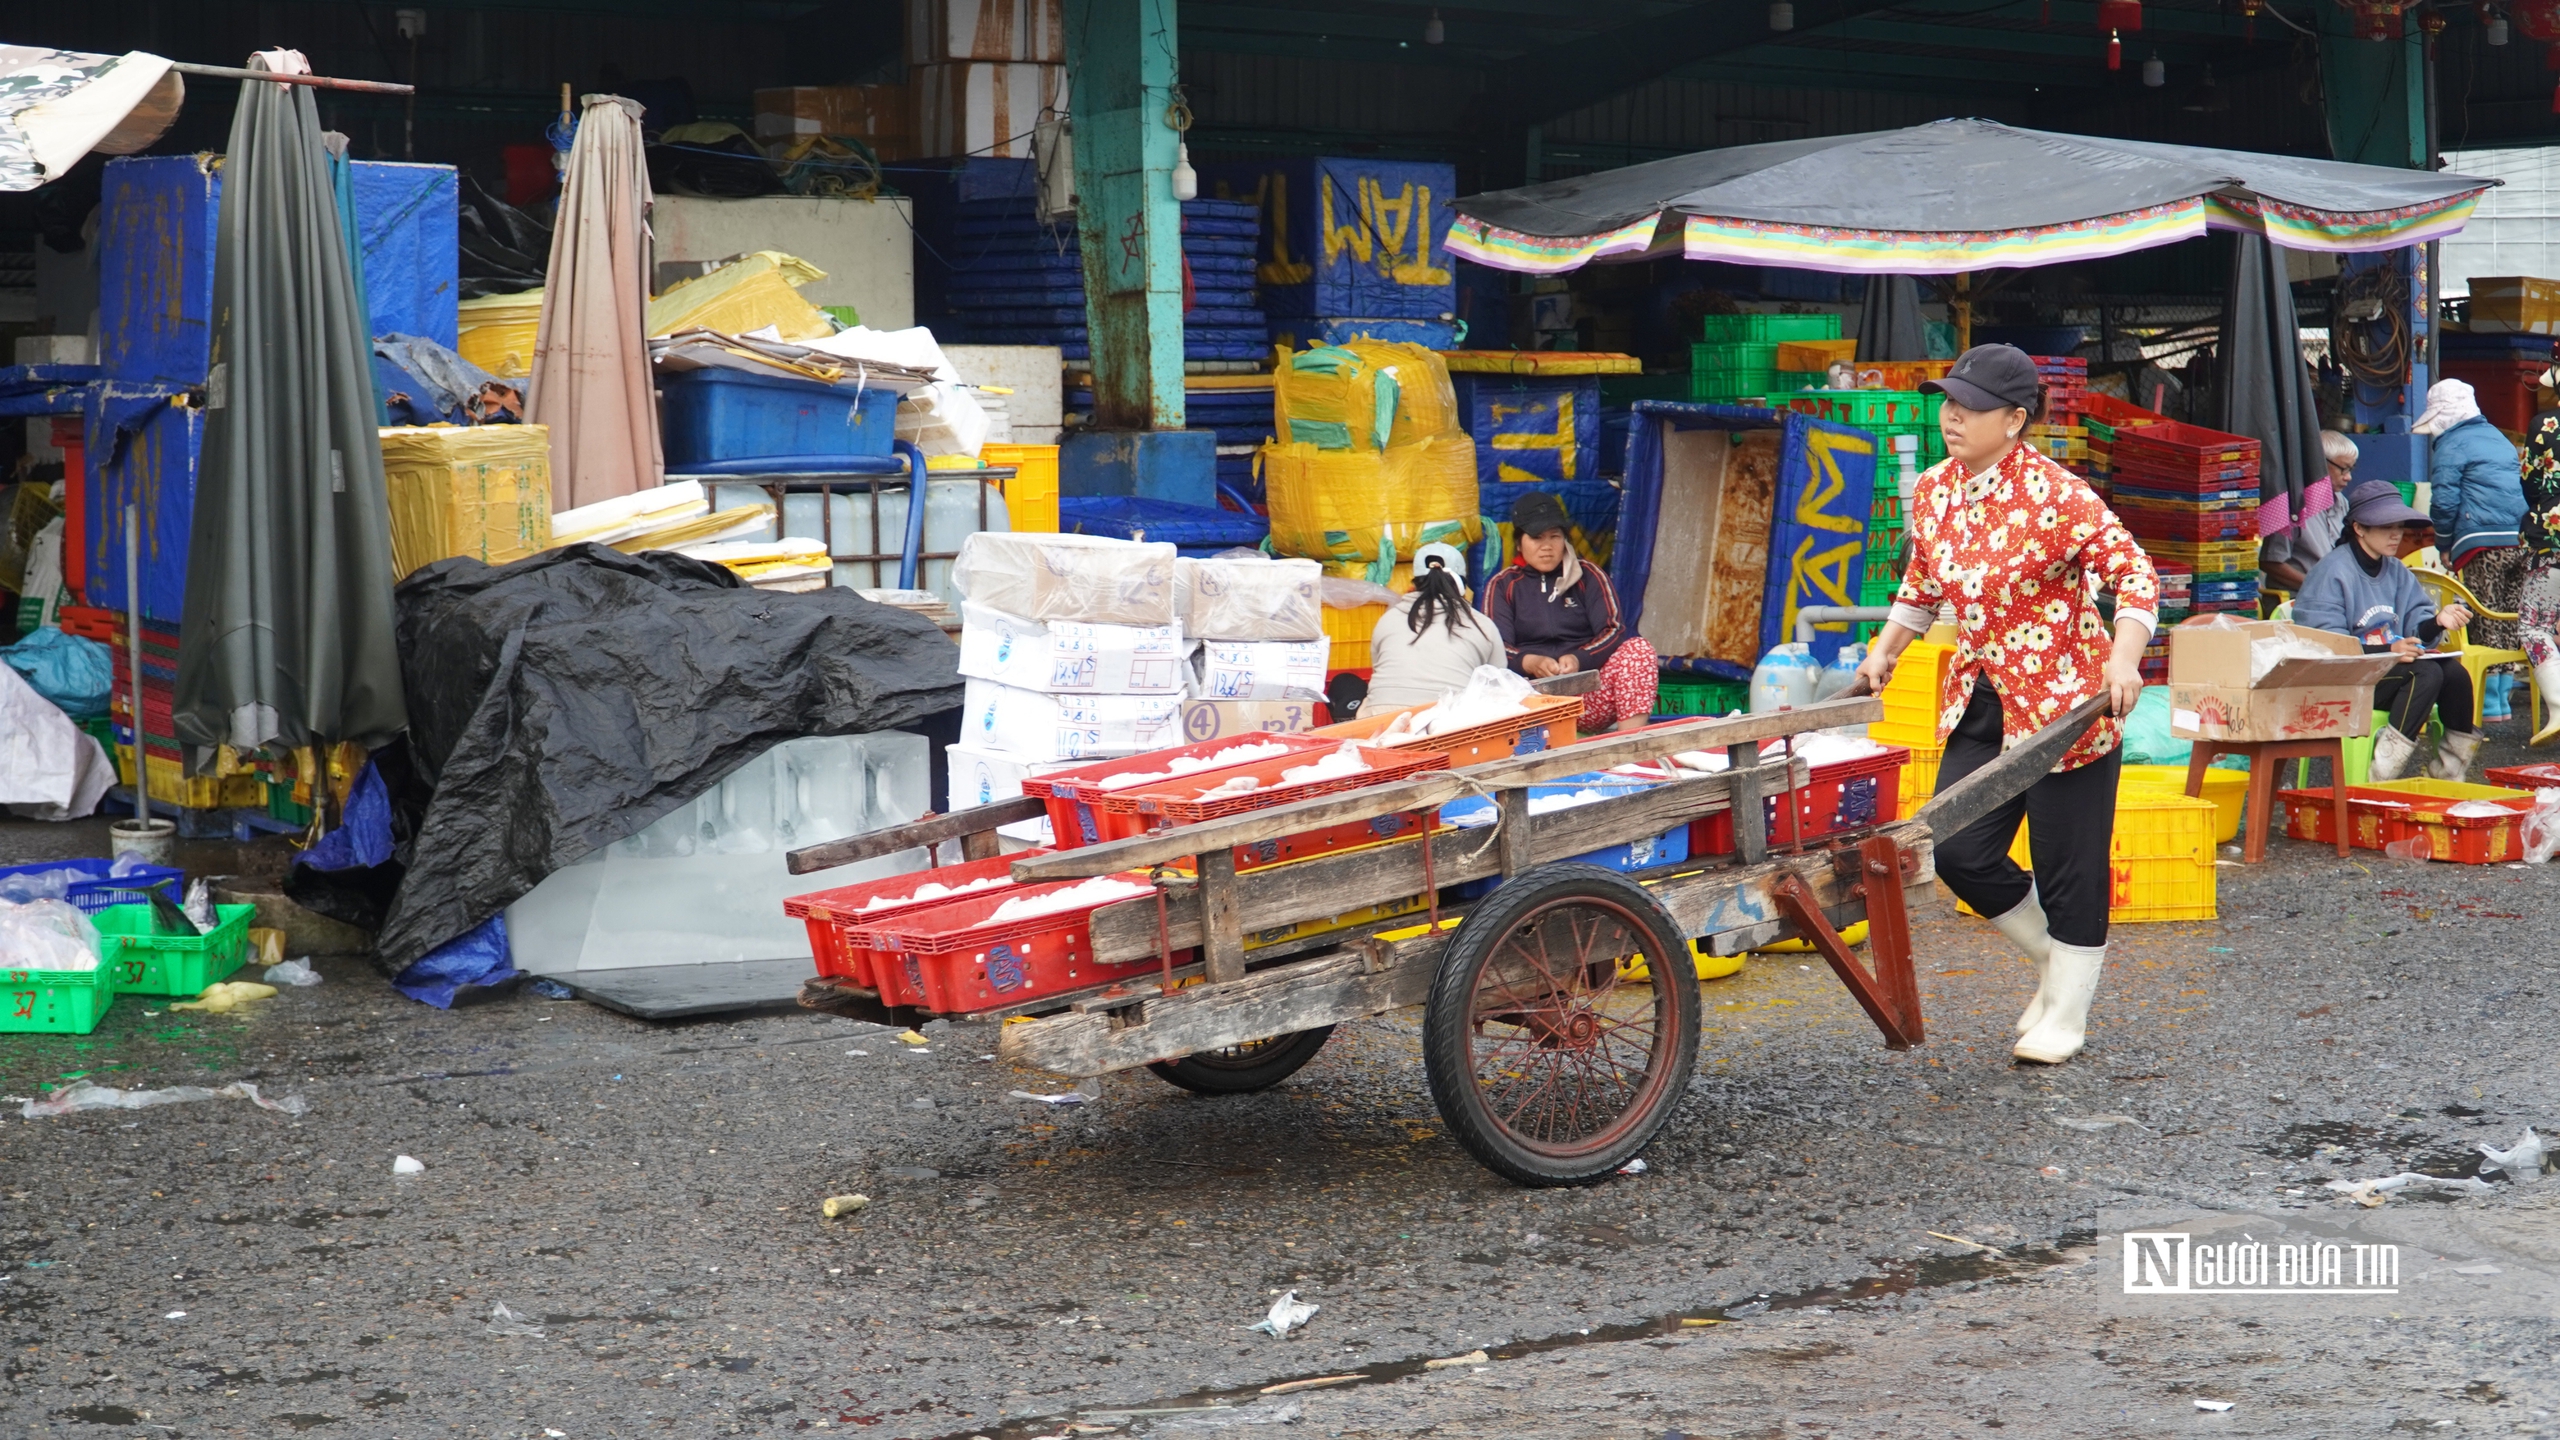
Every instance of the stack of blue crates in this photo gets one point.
(1350, 247)
(1017, 280)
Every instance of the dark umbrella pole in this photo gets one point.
(143, 836)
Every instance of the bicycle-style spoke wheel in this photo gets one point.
(1546, 1062)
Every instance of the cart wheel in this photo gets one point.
(1547, 1064)
(1242, 1069)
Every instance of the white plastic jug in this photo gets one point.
(1842, 672)
(1784, 678)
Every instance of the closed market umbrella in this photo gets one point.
(287, 637)
(591, 380)
(2265, 388)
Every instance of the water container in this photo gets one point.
(1842, 673)
(950, 516)
(705, 883)
(1784, 678)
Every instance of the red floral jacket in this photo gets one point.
(2022, 552)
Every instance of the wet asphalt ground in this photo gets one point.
(1895, 1244)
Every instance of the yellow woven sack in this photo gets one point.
(744, 296)
(1365, 505)
(1363, 395)
(498, 332)
(477, 490)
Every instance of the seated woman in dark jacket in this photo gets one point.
(1559, 616)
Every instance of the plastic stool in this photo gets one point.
(2263, 757)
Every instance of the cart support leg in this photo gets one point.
(1750, 818)
(1891, 996)
(1222, 915)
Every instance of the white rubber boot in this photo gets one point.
(2024, 925)
(2546, 681)
(2453, 755)
(2391, 754)
(2071, 982)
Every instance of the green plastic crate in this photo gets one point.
(1730, 385)
(1802, 379)
(1874, 591)
(54, 1002)
(1690, 695)
(1739, 355)
(1628, 389)
(142, 963)
(1768, 329)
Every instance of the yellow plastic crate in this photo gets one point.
(1031, 496)
(1919, 773)
(1911, 702)
(2161, 865)
(2227, 789)
(1349, 632)
(171, 785)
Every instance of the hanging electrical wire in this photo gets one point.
(2369, 326)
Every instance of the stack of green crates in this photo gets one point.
(1738, 359)
(1687, 694)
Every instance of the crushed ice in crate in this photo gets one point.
(935, 890)
(1100, 890)
(1243, 754)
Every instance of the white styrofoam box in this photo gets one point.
(705, 883)
(982, 107)
(980, 776)
(53, 350)
(867, 247)
(1260, 670)
(1250, 598)
(1070, 656)
(1039, 726)
(939, 30)
(1092, 578)
(1034, 373)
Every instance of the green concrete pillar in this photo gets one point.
(1121, 69)
(2376, 90)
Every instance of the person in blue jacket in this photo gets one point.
(2476, 505)
(2362, 590)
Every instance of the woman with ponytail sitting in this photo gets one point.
(1431, 639)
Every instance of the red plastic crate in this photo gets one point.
(2162, 523)
(956, 959)
(1075, 821)
(1843, 795)
(2376, 818)
(1179, 801)
(2544, 776)
(1547, 724)
(831, 914)
(2505, 388)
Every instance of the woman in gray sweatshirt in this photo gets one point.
(2361, 589)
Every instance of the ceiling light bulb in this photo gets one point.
(1186, 181)
(1782, 14)
(1433, 32)
(2495, 32)
(2154, 74)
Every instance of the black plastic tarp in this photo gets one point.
(566, 701)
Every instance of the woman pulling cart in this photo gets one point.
(2012, 539)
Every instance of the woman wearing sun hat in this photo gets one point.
(1429, 642)
(2020, 547)
(2361, 589)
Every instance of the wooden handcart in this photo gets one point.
(1547, 1058)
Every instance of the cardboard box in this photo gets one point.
(2515, 305)
(1069, 577)
(2210, 697)
(1036, 726)
(868, 112)
(983, 107)
(1218, 719)
(1070, 656)
(940, 30)
(1259, 670)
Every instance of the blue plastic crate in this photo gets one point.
(1349, 235)
(716, 415)
(1127, 517)
(101, 890)
(1532, 427)
(1669, 848)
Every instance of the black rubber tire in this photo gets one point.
(1243, 1069)
(1619, 916)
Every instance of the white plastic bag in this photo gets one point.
(2542, 827)
(47, 935)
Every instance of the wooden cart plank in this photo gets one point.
(1337, 884)
(1438, 787)
(1379, 976)
(934, 830)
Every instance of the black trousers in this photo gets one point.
(2419, 686)
(2072, 828)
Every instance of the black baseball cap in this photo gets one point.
(1989, 377)
(1537, 513)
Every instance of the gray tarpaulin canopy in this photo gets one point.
(287, 636)
(1952, 196)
